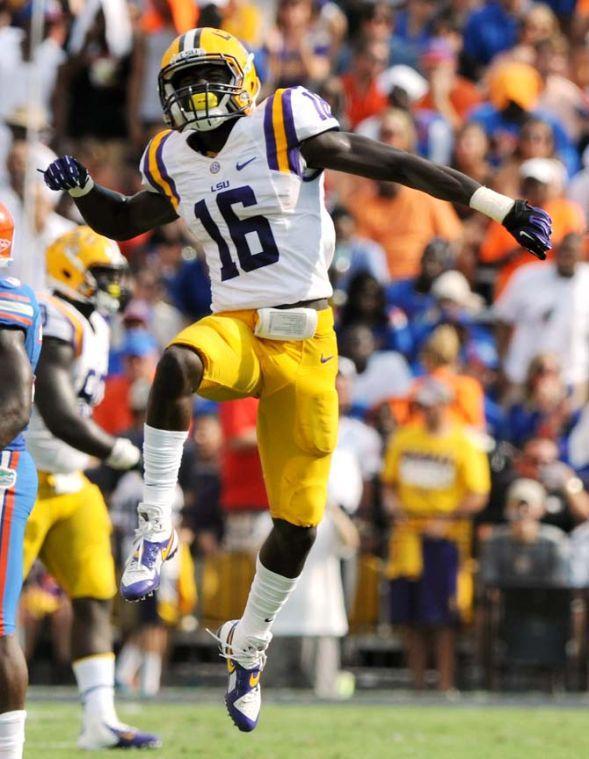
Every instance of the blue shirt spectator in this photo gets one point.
(495, 121)
(413, 296)
(414, 25)
(489, 30)
(456, 305)
(353, 254)
(190, 289)
(366, 306)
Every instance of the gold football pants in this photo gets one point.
(298, 411)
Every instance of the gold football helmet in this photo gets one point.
(88, 268)
(202, 100)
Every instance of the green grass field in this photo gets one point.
(312, 731)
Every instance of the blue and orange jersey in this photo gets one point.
(19, 309)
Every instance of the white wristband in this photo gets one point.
(78, 192)
(491, 203)
(124, 455)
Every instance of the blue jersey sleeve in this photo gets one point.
(18, 305)
(19, 308)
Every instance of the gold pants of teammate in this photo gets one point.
(70, 533)
(298, 411)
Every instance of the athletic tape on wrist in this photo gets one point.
(491, 203)
(78, 192)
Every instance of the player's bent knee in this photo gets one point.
(179, 371)
(294, 535)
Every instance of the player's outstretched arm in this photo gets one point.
(354, 154)
(58, 405)
(109, 213)
(16, 385)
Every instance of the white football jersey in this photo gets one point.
(255, 208)
(90, 339)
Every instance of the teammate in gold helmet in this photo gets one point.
(69, 528)
(89, 268)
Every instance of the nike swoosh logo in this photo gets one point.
(240, 166)
(326, 359)
(254, 680)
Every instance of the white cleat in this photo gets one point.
(152, 546)
(98, 735)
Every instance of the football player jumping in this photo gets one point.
(69, 528)
(248, 182)
(20, 345)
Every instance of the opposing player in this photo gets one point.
(248, 182)
(69, 528)
(20, 345)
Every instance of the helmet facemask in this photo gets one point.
(110, 290)
(204, 105)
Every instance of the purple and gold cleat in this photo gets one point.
(244, 696)
(151, 548)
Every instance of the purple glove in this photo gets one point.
(66, 173)
(531, 227)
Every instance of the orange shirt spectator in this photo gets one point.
(362, 102)
(463, 96)
(114, 413)
(440, 360)
(242, 482)
(363, 96)
(467, 405)
(449, 94)
(403, 221)
(157, 15)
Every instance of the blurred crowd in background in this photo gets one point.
(459, 505)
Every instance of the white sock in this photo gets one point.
(268, 594)
(95, 676)
(162, 455)
(128, 664)
(12, 734)
(151, 673)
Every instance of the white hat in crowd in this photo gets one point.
(453, 286)
(544, 170)
(528, 491)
